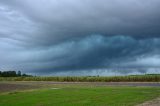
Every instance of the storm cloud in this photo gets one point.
(76, 37)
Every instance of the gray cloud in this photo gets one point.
(64, 19)
(76, 35)
(90, 53)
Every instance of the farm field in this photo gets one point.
(45, 93)
(129, 78)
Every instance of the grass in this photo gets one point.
(80, 96)
(131, 78)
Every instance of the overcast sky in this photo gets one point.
(80, 37)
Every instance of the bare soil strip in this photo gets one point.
(24, 85)
(151, 84)
(5, 87)
(155, 102)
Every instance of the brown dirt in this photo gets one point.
(24, 85)
(147, 84)
(155, 102)
(5, 87)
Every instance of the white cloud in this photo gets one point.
(150, 61)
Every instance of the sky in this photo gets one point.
(80, 37)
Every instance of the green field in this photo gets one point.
(79, 95)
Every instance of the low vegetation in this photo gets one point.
(131, 78)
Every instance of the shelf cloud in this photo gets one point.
(76, 37)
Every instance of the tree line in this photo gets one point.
(12, 74)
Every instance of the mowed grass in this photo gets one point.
(80, 96)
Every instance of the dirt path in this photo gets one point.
(149, 84)
(155, 102)
(5, 87)
(24, 85)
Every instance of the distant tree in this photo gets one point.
(19, 73)
(8, 74)
(13, 74)
(24, 75)
(5, 74)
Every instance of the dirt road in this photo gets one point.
(23, 85)
(155, 102)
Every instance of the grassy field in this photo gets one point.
(131, 78)
(78, 95)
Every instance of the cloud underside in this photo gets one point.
(80, 37)
(119, 54)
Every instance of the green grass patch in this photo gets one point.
(81, 96)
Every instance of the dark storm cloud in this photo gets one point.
(60, 19)
(60, 35)
(91, 53)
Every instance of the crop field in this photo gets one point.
(131, 78)
(45, 93)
